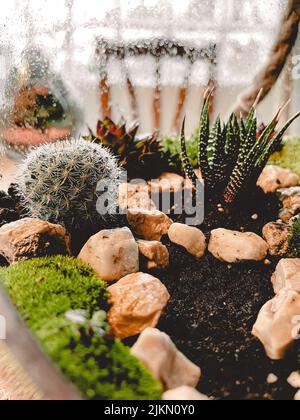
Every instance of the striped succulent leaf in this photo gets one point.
(188, 169)
(274, 143)
(248, 137)
(206, 171)
(218, 158)
(232, 146)
(230, 156)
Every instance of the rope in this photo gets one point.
(267, 78)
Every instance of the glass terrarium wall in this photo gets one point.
(225, 43)
(152, 58)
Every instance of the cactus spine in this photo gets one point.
(59, 181)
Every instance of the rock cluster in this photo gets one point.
(138, 299)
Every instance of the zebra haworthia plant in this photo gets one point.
(230, 156)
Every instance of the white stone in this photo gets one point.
(287, 275)
(274, 178)
(149, 225)
(191, 238)
(135, 196)
(137, 302)
(184, 393)
(276, 325)
(272, 379)
(234, 247)
(156, 254)
(294, 380)
(167, 183)
(297, 396)
(161, 357)
(112, 253)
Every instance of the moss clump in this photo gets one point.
(172, 148)
(294, 240)
(45, 291)
(288, 157)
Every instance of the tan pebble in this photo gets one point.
(272, 379)
(149, 225)
(30, 238)
(112, 253)
(294, 379)
(287, 276)
(137, 302)
(297, 396)
(184, 393)
(274, 325)
(191, 238)
(235, 247)
(167, 364)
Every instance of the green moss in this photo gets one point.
(172, 148)
(289, 156)
(294, 240)
(44, 290)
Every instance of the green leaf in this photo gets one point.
(188, 169)
(204, 140)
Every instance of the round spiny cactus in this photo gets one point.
(59, 182)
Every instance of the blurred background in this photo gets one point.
(149, 60)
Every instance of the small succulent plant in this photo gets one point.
(230, 155)
(142, 158)
(59, 181)
(97, 325)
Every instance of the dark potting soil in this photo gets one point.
(10, 207)
(214, 306)
(210, 316)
